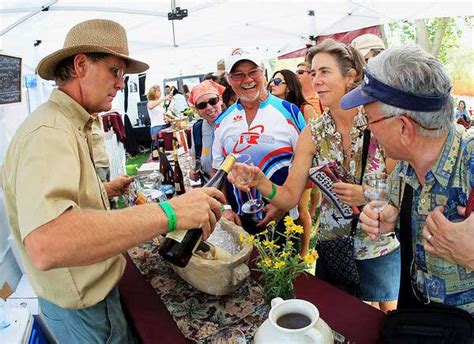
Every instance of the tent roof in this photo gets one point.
(211, 29)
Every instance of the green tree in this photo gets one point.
(436, 35)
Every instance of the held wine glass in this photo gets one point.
(244, 177)
(376, 189)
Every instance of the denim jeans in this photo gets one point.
(101, 323)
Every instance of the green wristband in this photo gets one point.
(273, 193)
(170, 214)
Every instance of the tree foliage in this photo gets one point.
(436, 35)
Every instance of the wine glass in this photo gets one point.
(244, 177)
(376, 189)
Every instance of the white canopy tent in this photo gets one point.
(210, 31)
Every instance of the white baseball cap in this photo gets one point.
(367, 42)
(238, 55)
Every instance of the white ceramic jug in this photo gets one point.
(270, 332)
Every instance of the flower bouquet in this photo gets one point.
(281, 263)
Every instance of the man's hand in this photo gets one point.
(350, 194)
(375, 224)
(452, 241)
(118, 186)
(232, 216)
(272, 213)
(198, 208)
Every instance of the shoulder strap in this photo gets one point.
(197, 136)
(365, 153)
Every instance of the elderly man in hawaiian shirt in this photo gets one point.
(406, 95)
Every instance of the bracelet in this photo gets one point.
(170, 214)
(226, 207)
(273, 193)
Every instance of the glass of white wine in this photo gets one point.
(376, 189)
(244, 177)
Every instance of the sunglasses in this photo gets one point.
(240, 76)
(301, 72)
(277, 81)
(211, 101)
(118, 72)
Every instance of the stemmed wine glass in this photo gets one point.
(376, 189)
(244, 177)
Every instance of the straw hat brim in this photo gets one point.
(47, 65)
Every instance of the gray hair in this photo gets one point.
(413, 70)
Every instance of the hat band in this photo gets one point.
(401, 99)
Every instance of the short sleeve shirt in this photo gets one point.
(270, 139)
(101, 159)
(330, 149)
(448, 183)
(48, 170)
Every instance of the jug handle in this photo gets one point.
(276, 301)
(315, 335)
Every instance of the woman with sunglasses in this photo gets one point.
(338, 136)
(206, 99)
(284, 84)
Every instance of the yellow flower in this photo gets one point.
(309, 259)
(270, 244)
(284, 254)
(298, 229)
(289, 230)
(315, 254)
(250, 239)
(265, 232)
(279, 265)
(267, 261)
(271, 224)
(289, 221)
(241, 237)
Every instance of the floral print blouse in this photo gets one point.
(329, 149)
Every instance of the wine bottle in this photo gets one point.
(177, 175)
(165, 168)
(178, 246)
(154, 150)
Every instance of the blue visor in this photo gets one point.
(373, 90)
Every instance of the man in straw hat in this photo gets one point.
(409, 109)
(71, 246)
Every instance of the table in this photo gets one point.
(357, 321)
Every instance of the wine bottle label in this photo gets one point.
(177, 235)
(154, 154)
(177, 187)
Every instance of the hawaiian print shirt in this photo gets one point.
(448, 183)
(330, 148)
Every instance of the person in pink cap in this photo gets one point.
(207, 100)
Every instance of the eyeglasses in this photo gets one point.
(367, 123)
(301, 72)
(118, 72)
(240, 76)
(211, 101)
(277, 81)
(364, 126)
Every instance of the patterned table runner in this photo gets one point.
(199, 315)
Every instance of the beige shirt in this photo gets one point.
(101, 159)
(48, 170)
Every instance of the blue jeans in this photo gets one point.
(101, 323)
(156, 129)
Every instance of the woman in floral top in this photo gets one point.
(337, 136)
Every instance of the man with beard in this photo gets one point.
(260, 125)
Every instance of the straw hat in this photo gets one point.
(92, 36)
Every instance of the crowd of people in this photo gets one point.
(365, 108)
